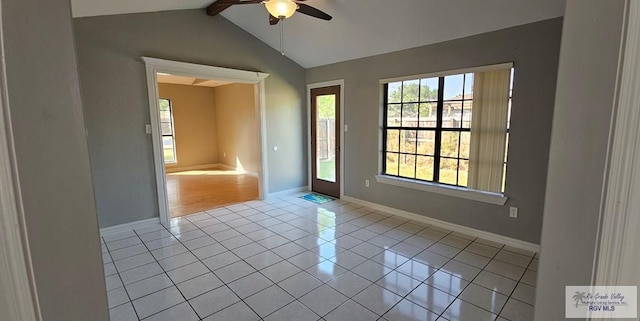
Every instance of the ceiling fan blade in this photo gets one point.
(273, 20)
(218, 6)
(311, 11)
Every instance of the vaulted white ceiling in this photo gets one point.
(360, 28)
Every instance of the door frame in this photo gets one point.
(17, 286)
(338, 82)
(154, 66)
(618, 257)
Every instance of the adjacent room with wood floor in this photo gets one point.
(209, 142)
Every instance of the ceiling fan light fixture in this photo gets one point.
(281, 8)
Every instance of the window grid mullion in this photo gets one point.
(415, 158)
(438, 133)
(400, 132)
(385, 128)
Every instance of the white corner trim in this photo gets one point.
(288, 192)
(116, 229)
(618, 256)
(447, 225)
(461, 192)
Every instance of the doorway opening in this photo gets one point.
(207, 125)
(209, 141)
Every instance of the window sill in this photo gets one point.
(461, 192)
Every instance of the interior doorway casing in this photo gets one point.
(155, 66)
(618, 256)
(342, 129)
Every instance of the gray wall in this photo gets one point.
(53, 160)
(577, 161)
(115, 99)
(534, 49)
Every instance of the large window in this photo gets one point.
(450, 129)
(168, 133)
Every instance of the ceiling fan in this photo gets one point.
(278, 9)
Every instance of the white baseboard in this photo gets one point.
(106, 231)
(288, 192)
(173, 169)
(447, 225)
(254, 174)
(231, 168)
(225, 166)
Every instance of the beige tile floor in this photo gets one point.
(290, 259)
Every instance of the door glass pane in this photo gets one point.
(326, 137)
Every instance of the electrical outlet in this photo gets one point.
(513, 212)
(224, 154)
(366, 183)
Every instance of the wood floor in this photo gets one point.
(198, 190)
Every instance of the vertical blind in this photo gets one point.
(488, 129)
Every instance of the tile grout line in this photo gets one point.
(287, 259)
(170, 279)
(189, 250)
(123, 285)
(357, 215)
(421, 282)
(241, 260)
(471, 282)
(514, 288)
(369, 259)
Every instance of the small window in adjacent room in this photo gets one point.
(168, 133)
(450, 129)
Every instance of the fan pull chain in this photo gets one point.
(281, 36)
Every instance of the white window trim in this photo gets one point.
(455, 191)
(433, 187)
(448, 72)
